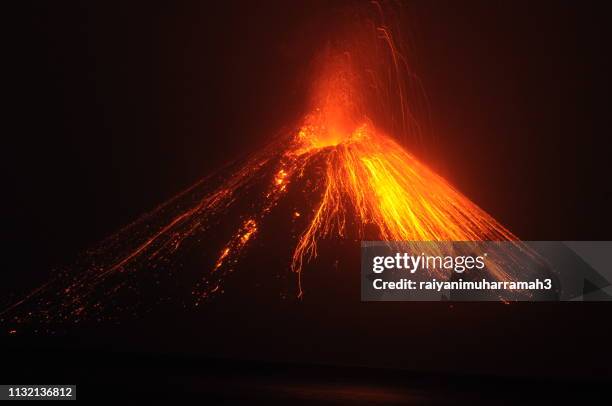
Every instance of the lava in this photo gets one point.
(368, 179)
(367, 175)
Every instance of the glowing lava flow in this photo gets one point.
(374, 178)
(367, 181)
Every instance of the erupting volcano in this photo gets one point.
(349, 178)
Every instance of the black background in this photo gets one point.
(115, 107)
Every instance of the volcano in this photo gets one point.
(336, 176)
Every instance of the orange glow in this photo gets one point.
(248, 229)
(368, 179)
(371, 176)
(364, 179)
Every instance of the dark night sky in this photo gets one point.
(117, 107)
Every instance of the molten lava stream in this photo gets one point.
(369, 174)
